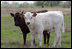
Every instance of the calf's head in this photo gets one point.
(29, 17)
(17, 17)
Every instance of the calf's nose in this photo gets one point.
(28, 23)
(16, 24)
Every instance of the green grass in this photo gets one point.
(11, 36)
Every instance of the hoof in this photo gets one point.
(47, 46)
(53, 46)
(39, 46)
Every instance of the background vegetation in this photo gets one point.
(66, 4)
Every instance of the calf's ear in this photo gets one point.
(12, 14)
(34, 14)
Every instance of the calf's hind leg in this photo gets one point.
(48, 37)
(44, 34)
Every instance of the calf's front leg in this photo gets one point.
(32, 39)
(40, 39)
(24, 37)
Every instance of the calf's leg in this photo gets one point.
(59, 40)
(57, 36)
(32, 39)
(24, 38)
(48, 37)
(40, 38)
(44, 34)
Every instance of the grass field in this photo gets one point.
(11, 36)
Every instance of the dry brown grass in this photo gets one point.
(6, 11)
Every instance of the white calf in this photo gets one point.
(39, 22)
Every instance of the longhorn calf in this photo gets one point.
(39, 22)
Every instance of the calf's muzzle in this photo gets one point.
(28, 23)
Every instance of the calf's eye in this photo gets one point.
(31, 17)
